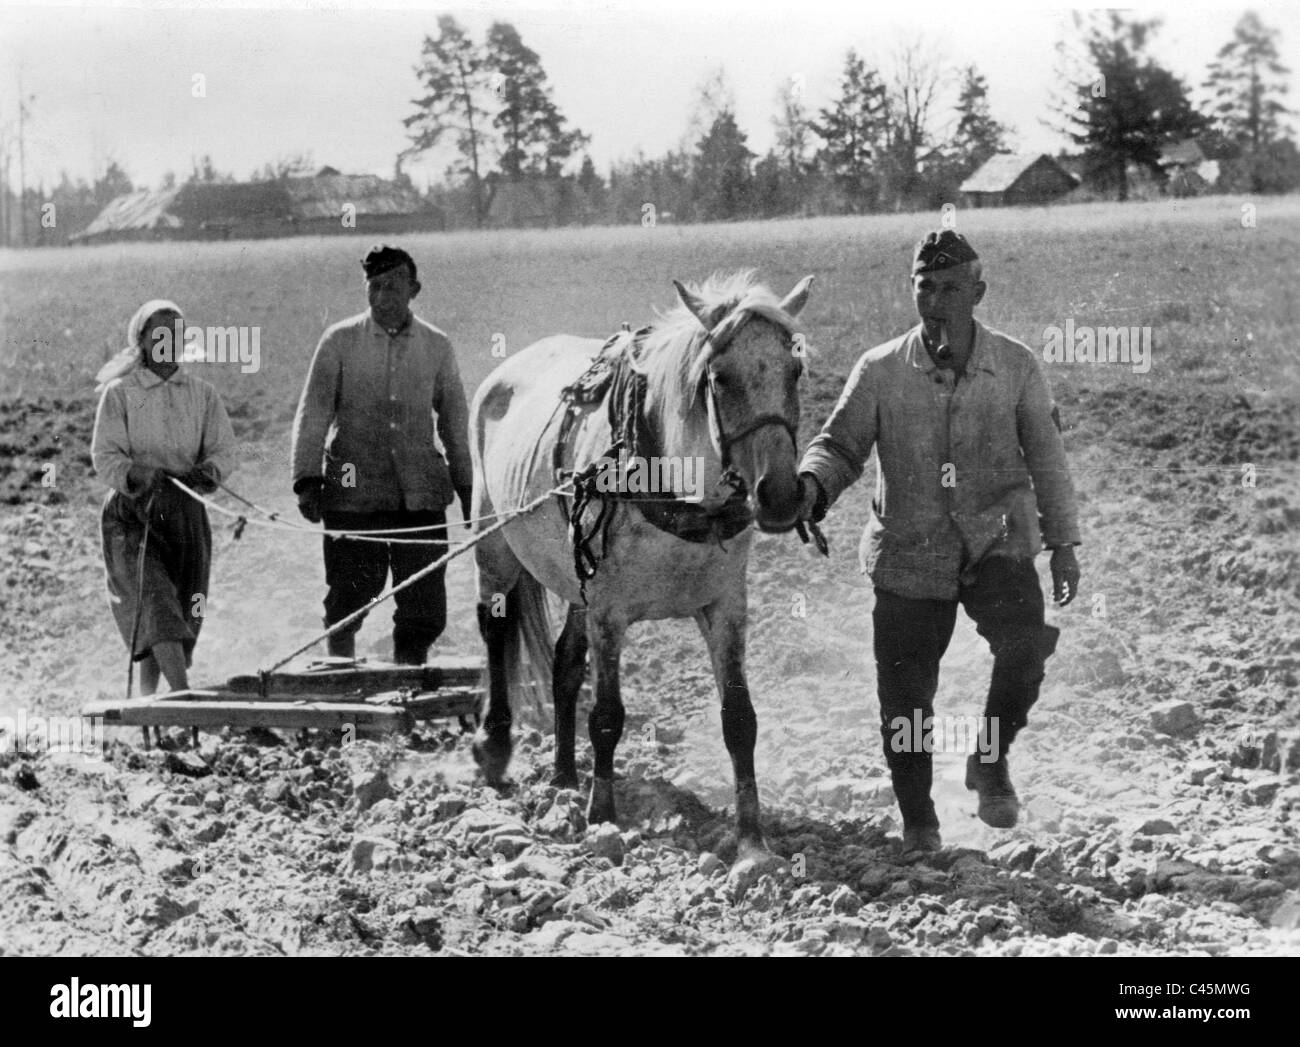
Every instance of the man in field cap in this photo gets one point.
(972, 482)
(364, 456)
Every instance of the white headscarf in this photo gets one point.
(130, 358)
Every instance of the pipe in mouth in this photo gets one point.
(944, 349)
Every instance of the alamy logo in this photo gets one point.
(52, 734)
(213, 345)
(946, 734)
(634, 474)
(101, 1001)
(1098, 345)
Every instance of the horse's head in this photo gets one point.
(747, 373)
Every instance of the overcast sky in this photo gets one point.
(336, 80)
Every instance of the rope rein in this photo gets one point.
(442, 561)
(457, 549)
(273, 522)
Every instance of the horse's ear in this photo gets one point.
(695, 304)
(794, 302)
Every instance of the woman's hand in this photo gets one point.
(202, 478)
(142, 480)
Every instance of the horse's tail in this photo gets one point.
(529, 651)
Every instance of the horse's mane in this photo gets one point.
(674, 354)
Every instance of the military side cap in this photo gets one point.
(942, 250)
(381, 258)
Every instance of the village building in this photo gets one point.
(1187, 170)
(1010, 179)
(326, 203)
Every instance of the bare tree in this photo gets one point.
(916, 78)
(713, 98)
(793, 126)
(294, 165)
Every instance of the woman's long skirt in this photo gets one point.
(177, 557)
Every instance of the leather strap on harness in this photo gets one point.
(613, 378)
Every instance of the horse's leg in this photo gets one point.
(492, 746)
(723, 626)
(497, 566)
(566, 681)
(605, 724)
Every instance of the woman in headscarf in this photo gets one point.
(155, 421)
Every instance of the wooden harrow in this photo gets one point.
(372, 698)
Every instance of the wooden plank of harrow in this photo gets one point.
(444, 703)
(364, 717)
(342, 676)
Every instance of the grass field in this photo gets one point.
(1221, 299)
(1198, 575)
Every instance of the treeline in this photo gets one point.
(884, 142)
(49, 216)
(881, 144)
(871, 149)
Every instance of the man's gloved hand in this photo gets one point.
(310, 491)
(466, 496)
(1065, 574)
(202, 478)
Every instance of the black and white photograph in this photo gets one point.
(663, 479)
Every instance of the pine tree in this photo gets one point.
(1124, 106)
(114, 182)
(854, 131)
(535, 140)
(978, 136)
(455, 78)
(591, 188)
(721, 172)
(1247, 80)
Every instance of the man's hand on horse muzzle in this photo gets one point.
(1065, 574)
(812, 507)
(812, 499)
(310, 491)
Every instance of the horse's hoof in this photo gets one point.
(492, 753)
(753, 861)
(600, 807)
(565, 780)
(752, 848)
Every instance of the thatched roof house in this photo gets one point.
(143, 214)
(327, 193)
(1187, 153)
(1017, 178)
(325, 203)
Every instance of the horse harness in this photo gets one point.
(614, 378)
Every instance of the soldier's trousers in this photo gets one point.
(911, 635)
